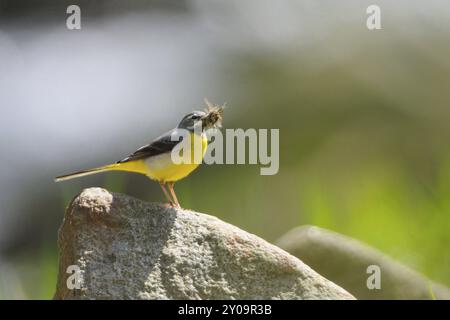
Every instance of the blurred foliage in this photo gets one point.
(364, 145)
(30, 275)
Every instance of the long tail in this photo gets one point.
(86, 172)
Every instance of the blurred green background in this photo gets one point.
(363, 118)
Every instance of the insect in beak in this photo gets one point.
(213, 117)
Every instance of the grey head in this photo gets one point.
(192, 121)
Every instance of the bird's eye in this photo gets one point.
(195, 117)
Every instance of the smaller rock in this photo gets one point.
(344, 261)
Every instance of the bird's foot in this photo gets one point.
(168, 205)
(176, 205)
(172, 205)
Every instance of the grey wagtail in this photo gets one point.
(154, 160)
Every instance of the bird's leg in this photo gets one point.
(163, 187)
(172, 192)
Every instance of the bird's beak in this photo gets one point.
(205, 120)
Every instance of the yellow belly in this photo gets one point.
(161, 167)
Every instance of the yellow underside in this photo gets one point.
(161, 167)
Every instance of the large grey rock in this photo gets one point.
(129, 249)
(344, 261)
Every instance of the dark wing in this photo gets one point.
(162, 144)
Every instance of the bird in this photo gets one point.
(155, 159)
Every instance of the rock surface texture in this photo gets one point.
(118, 247)
(344, 261)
